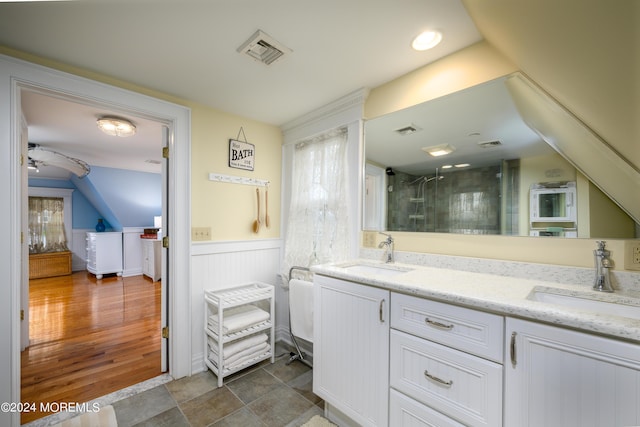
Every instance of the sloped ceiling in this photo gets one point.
(584, 53)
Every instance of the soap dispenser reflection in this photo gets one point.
(602, 261)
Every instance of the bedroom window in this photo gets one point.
(46, 225)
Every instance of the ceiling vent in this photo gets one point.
(489, 144)
(408, 130)
(263, 48)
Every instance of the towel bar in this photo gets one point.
(299, 354)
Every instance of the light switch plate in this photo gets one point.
(369, 239)
(200, 233)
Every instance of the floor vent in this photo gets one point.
(263, 48)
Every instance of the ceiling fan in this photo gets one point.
(43, 156)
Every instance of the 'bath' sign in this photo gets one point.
(241, 155)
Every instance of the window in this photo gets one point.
(46, 225)
(318, 225)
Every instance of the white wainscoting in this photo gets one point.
(218, 265)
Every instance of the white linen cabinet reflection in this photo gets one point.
(239, 328)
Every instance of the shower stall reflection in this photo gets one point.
(463, 201)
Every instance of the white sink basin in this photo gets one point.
(375, 270)
(604, 304)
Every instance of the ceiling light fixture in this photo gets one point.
(462, 165)
(116, 126)
(439, 150)
(32, 165)
(427, 40)
(45, 157)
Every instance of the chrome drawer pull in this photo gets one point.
(437, 324)
(438, 380)
(512, 349)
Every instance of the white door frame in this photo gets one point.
(16, 74)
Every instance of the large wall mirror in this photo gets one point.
(467, 163)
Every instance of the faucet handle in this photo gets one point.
(389, 236)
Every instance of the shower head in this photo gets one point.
(424, 179)
(390, 171)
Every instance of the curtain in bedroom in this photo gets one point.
(46, 225)
(318, 225)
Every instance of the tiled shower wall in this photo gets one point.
(464, 201)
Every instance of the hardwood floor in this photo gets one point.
(89, 338)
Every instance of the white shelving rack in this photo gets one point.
(216, 303)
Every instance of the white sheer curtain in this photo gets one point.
(318, 221)
(46, 225)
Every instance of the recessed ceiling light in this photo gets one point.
(439, 150)
(446, 167)
(427, 40)
(462, 165)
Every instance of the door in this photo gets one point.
(558, 377)
(24, 221)
(164, 271)
(351, 349)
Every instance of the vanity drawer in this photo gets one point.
(465, 387)
(468, 330)
(406, 412)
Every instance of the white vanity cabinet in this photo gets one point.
(560, 377)
(104, 253)
(351, 356)
(445, 361)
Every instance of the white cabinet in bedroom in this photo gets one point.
(151, 258)
(351, 350)
(560, 377)
(104, 253)
(239, 328)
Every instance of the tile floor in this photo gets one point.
(267, 395)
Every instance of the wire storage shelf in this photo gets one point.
(239, 328)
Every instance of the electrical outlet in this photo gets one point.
(200, 233)
(632, 255)
(369, 239)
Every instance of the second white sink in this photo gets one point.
(375, 269)
(604, 304)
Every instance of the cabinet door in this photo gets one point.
(351, 349)
(558, 377)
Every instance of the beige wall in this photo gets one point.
(476, 64)
(228, 209)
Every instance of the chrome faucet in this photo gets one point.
(388, 245)
(603, 263)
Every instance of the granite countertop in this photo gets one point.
(498, 294)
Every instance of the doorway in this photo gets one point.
(16, 75)
(102, 308)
